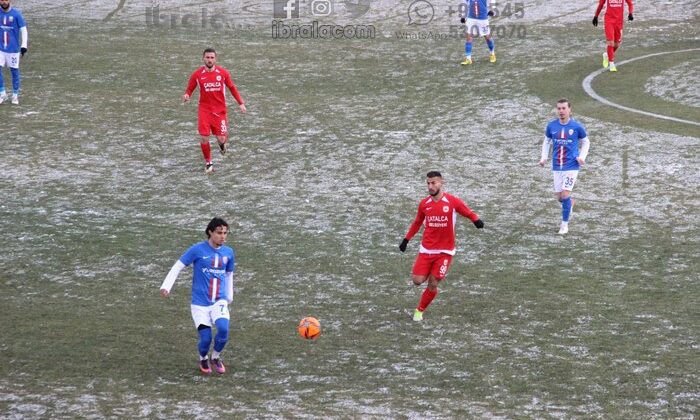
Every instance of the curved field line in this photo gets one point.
(589, 90)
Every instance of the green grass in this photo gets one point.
(104, 188)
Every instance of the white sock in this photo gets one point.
(215, 354)
(202, 357)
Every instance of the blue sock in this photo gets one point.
(468, 48)
(2, 81)
(221, 334)
(565, 209)
(15, 80)
(204, 340)
(489, 42)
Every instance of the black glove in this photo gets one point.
(24, 50)
(403, 245)
(463, 20)
(630, 17)
(479, 224)
(490, 13)
(595, 21)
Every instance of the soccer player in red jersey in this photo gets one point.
(614, 21)
(212, 80)
(438, 214)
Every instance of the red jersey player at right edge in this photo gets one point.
(438, 213)
(614, 21)
(211, 80)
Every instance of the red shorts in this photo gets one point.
(435, 264)
(613, 31)
(212, 123)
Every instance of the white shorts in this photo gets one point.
(478, 27)
(207, 315)
(9, 60)
(564, 180)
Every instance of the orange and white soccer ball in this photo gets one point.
(309, 328)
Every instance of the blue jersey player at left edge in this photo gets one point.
(13, 44)
(213, 264)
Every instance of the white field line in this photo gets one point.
(589, 90)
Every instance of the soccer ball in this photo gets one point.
(309, 328)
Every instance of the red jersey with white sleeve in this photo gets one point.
(439, 219)
(211, 84)
(615, 9)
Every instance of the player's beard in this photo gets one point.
(5, 7)
(434, 194)
(209, 66)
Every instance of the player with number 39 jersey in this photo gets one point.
(569, 143)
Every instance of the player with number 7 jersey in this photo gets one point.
(213, 264)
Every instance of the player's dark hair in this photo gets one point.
(215, 223)
(564, 101)
(208, 50)
(433, 174)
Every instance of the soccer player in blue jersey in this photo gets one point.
(13, 44)
(212, 290)
(565, 135)
(476, 17)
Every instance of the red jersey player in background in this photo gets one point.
(211, 80)
(614, 22)
(438, 213)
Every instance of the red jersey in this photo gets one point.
(211, 84)
(615, 9)
(439, 219)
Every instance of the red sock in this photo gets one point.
(611, 53)
(206, 151)
(426, 298)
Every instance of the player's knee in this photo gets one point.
(418, 280)
(221, 329)
(204, 334)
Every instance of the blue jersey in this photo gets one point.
(209, 272)
(565, 141)
(477, 9)
(10, 23)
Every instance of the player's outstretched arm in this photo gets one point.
(170, 278)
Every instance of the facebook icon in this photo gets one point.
(286, 9)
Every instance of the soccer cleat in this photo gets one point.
(605, 60)
(218, 366)
(223, 147)
(209, 168)
(467, 61)
(564, 228)
(492, 57)
(3, 97)
(612, 67)
(15, 100)
(418, 315)
(204, 366)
